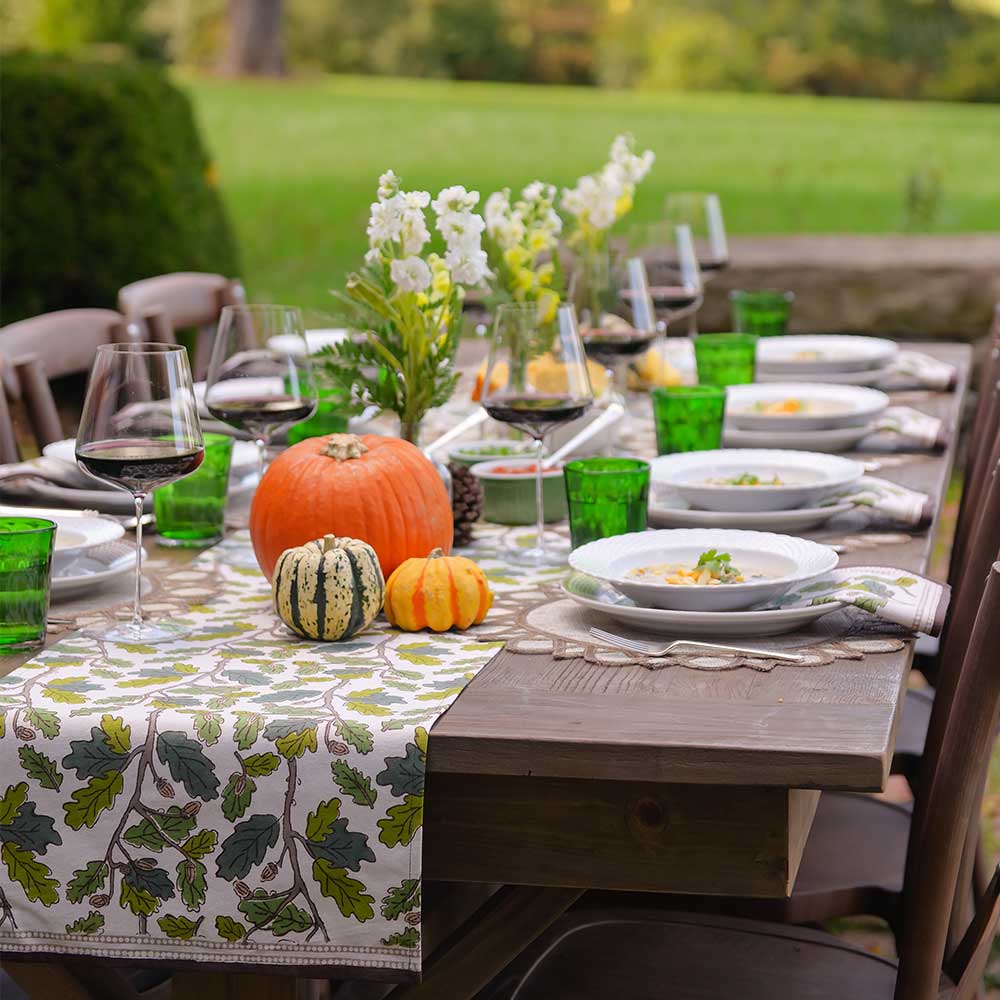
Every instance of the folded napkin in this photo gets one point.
(893, 595)
(914, 370)
(906, 425)
(909, 507)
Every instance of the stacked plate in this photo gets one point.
(699, 582)
(833, 358)
(813, 416)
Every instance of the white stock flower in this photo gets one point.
(461, 228)
(632, 167)
(413, 230)
(455, 199)
(593, 199)
(388, 185)
(373, 256)
(385, 223)
(467, 266)
(411, 274)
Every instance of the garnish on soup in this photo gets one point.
(777, 407)
(712, 569)
(746, 479)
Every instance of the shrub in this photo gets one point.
(104, 181)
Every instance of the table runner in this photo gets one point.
(238, 795)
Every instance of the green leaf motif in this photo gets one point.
(342, 848)
(192, 884)
(357, 734)
(258, 765)
(90, 924)
(208, 727)
(401, 899)
(179, 927)
(236, 795)
(156, 829)
(402, 821)
(117, 734)
(229, 929)
(34, 833)
(44, 720)
(202, 843)
(410, 938)
(188, 764)
(321, 820)
(139, 901)
(404, 775)
(354, 784)
(348, 893)
(86, 881)
(153, 880)
(34, 877)
(246, 846)
(42, 769)
(291, 920)
(247, 729)
(296, 744)
(10, 804)
(90, 801)
(94, 757)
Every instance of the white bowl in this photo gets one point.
(825, 354)
(77, 535)
(786, 560)
(827, 406)
(806, 478)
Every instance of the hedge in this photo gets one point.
(104, 180)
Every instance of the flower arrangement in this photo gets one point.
(410, 302)
(521, 240)
(599, 200)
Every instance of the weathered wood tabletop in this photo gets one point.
(567, 775)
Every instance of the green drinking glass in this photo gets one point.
(688, 418)
(330, 416)
(762, 313)
(191, 512)
(606, 496)
(26, 545)
(725, 358)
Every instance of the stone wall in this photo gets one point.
(909, 287)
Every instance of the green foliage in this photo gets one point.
(105, 181)
(68, 25)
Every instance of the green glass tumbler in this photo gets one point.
(725, 358)
(191, 513)
(26, 545)
(764, 314)
(330, 416)
(606, 496)
(688, 418)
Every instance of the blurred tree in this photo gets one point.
(255, 44)
(69, 25)
(972, 71)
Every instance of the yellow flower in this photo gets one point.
(538, 241)
(441, 282)
(515, 256)
(548, 303)
(623, 205)
(422, 299)
(524, 278)
(546, 273)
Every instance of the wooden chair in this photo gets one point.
(24, 381)
(172, 302)
(644, 955)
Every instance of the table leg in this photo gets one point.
(237, 986)
(487, 943)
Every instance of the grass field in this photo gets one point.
(298, 160)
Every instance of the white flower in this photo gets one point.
(467, 266)
(461, 228)
(415, 199)
(411, 274)
(413, 230)
(385, 222)
(593, 199)
(373, 256)
(388, 185)
(632, 167)
(455, 199)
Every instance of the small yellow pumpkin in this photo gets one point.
(329, 588)
(439, 593)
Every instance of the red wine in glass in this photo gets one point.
(260, 415)
(535, 414)
(137, 464)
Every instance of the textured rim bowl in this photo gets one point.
(861, 404)
(792, 560)
(847, 353)
(685, 474)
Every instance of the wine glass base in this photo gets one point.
(129, 633)
(555, 552)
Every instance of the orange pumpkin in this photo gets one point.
(439, 593)
(382, 490)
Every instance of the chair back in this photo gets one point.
(30, 387)
(955, 763)
(179, 301)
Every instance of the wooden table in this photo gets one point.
(552, 777)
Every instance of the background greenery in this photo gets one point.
(298, 160)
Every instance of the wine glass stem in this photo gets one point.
(137, 602)
(540, 498)
(261, 456)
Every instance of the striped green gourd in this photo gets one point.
(330, 588)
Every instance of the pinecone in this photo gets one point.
(466, 502)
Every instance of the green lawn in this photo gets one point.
(298, 161)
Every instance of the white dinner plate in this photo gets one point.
(664, 513)
(829, 440)
(823, 406)
(773, 563)
(797, 356)
(92, 570)
(595, 596)
(871, 376)
(805, 478)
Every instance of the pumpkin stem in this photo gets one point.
(344, 446)
(330, 542)
(435, 554)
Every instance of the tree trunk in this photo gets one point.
(256, 47)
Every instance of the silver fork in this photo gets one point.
(659, 649)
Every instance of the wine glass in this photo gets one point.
(260, 376)
(139, 430)
(703, 213)
(676, 285)
(536, 380)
